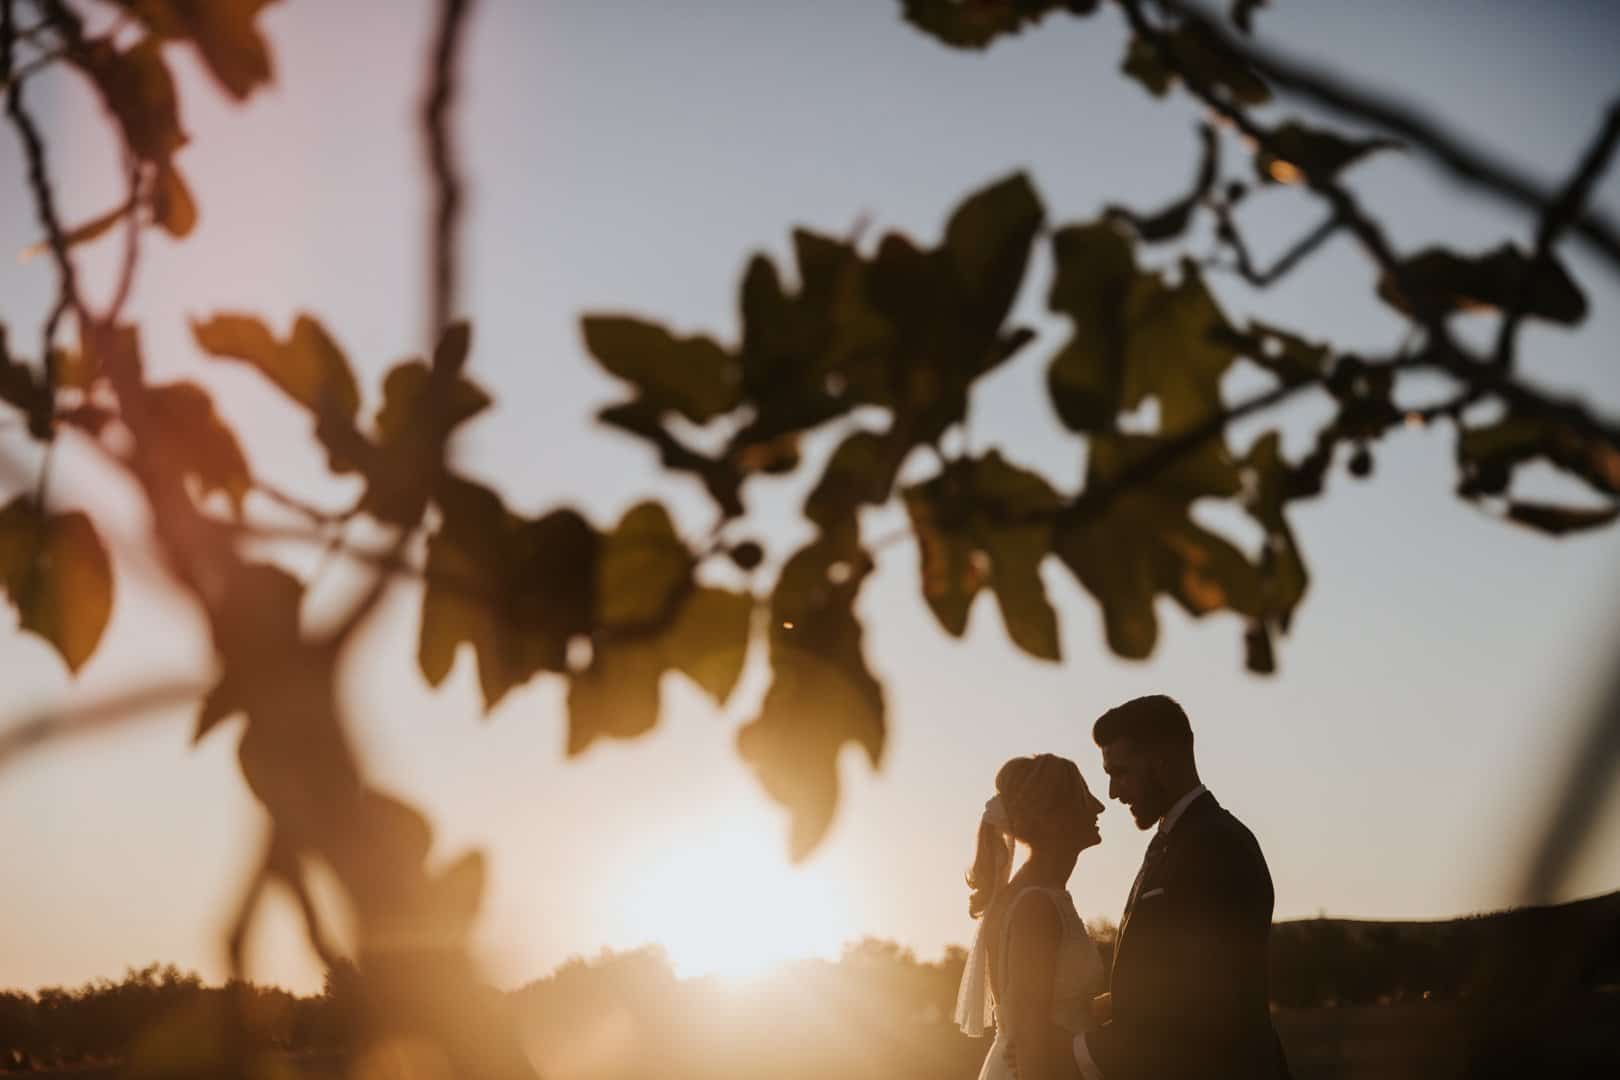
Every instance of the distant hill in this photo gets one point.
(1364, 961)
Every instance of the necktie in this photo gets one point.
(1155, 848)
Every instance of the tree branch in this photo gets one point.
(441, 161)
(1468, 163)
(1557, 217)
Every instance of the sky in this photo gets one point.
(630, 157)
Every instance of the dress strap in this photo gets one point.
(1006, 927)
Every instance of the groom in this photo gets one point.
(1188, 989)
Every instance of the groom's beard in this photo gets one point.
(1152, 806)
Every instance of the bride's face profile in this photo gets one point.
(1073, 825)
(1083, 820)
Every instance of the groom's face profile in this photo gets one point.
(1136, 779)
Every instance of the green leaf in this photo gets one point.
(643, 571)
(1204, 57)
(308, 367)
(257, 615)
(516, 590)
(1488, 454)
(24, 389)
(57, 575)
(411, 405)
(1561, 520)
(1198, 54)
(860, 472)
(231, 47)
(173, 208)
(822, 694)
(987, 522)
(988, 241)
(415, 417)
(692, 376)
(187, 437)
(1289, 357)
(1176, 351)
(1095, 275)
(1445, 281)
(137, 89)
(1135, 336)
(1140, 541)
(709, 639)
(721, 477)
(618, 694)
(974, 24)
(1302, 151)
(1143, 63)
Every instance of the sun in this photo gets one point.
(725, 901)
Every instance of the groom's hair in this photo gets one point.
(1153, 719)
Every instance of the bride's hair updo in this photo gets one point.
(1030, 790)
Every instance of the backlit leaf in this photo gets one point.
(1561, 520)
(974, 24)
(692, 376)
(1487, 454)
(1135, 336)
(1197, 54)
(173, 208)
(138, 90)
(232, 48)
(187, 437)
(643, 570)
(1444, 281)
(1095, 275)
(860, 472)
(988, 241)
(419, 411)
(56, 573)
(988, 523)
(1313, 152)
(822, 694)
(308, 367)
(618, 695)
(1141, 542)
(516, 590)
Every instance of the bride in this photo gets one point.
(1033, 966)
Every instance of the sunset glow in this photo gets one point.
(729, 904)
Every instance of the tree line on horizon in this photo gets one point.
(879, 1009)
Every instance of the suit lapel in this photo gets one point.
(1154, 869)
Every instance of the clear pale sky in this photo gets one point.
(630, 156)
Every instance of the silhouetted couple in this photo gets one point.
(1187, 994)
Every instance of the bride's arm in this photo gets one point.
(1031, 969)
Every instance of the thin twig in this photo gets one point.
(441, 160)
(47, 726)
(1470, 164)
(1302, 248)
(132, 244)
(1554, 220)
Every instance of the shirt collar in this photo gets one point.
(1173, 815)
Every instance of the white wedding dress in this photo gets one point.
(1077, 979)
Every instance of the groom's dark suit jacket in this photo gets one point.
(1190, 995)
